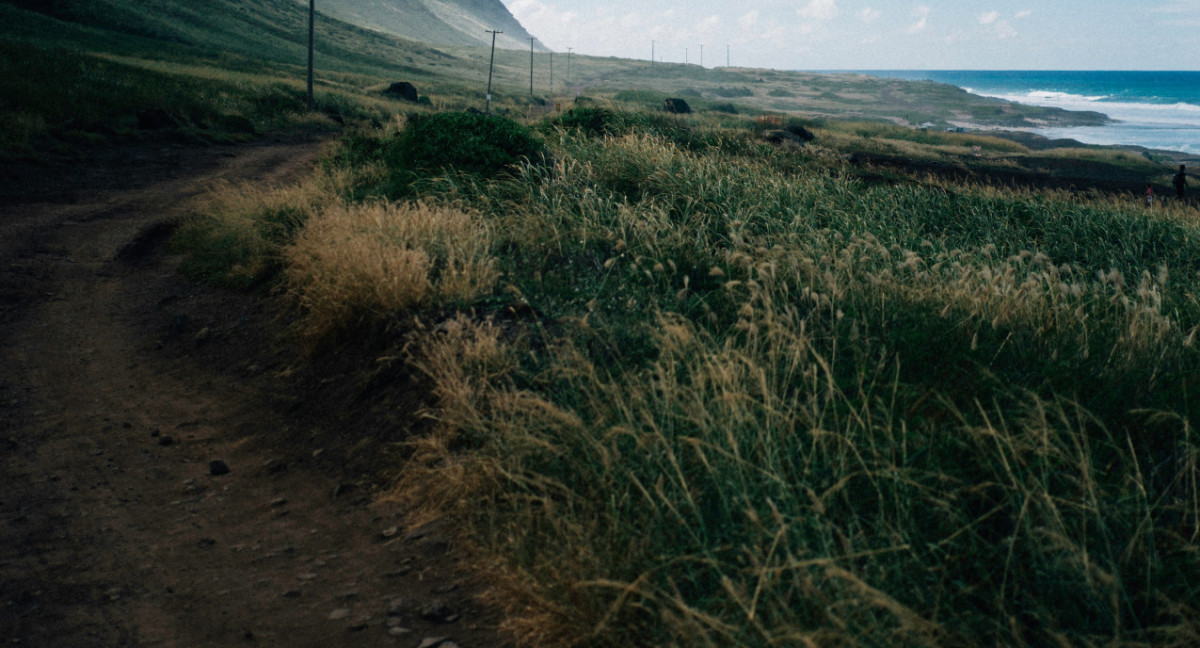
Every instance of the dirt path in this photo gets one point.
(120, 384)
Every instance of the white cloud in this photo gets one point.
(1003, 30)
(989, 17)
(867, 14)
(749, 20)
(1024, 13)
(819, 10)
(922, 15)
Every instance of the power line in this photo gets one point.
(490, 64)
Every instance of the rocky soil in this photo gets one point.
(173, 476)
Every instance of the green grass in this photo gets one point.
(763, 404)
(77, 74)
(703, 391)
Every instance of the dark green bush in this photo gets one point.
(473, 143)
(592, 121)
(477, 144)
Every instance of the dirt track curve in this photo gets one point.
(121, 383)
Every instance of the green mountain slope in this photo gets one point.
(259, 30)
(440, 22)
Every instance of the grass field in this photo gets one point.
(691, 389)
(688, 388)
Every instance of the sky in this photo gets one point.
(877, 34)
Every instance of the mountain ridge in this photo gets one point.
(437, 22)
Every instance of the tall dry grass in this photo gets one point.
(238, 237)
(366, 262)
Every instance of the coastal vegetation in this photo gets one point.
(893, 387)
(693, 389)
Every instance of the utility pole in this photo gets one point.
(727, 56)
(312, 13)
(490, 64)
(569, 65)
(551, 71)
(701, 54)
(651, 53)
(685, 56)
(531, 68)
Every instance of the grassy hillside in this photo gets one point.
(78, 73)
(443, 22)
(688, 388)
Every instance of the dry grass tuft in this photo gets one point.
(370, 261)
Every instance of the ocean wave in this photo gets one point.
(1051, 95)
(1178, 113)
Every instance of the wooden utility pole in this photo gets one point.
(490, 64)
(312, 13)
(569, 65)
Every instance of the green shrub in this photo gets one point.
(473, 143)
(592, 121)
(387, 165)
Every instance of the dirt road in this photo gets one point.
(121, 385)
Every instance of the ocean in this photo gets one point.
(1158, 110)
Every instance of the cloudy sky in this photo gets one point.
(878, 34)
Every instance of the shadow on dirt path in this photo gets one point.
(117, 525)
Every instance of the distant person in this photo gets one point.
(1149, 195)
(1180, 182)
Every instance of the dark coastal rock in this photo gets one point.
(801, 132)
(676, 106)
(402, 90)
(216, 468)
(780, 137)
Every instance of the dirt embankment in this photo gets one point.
(168, 478)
